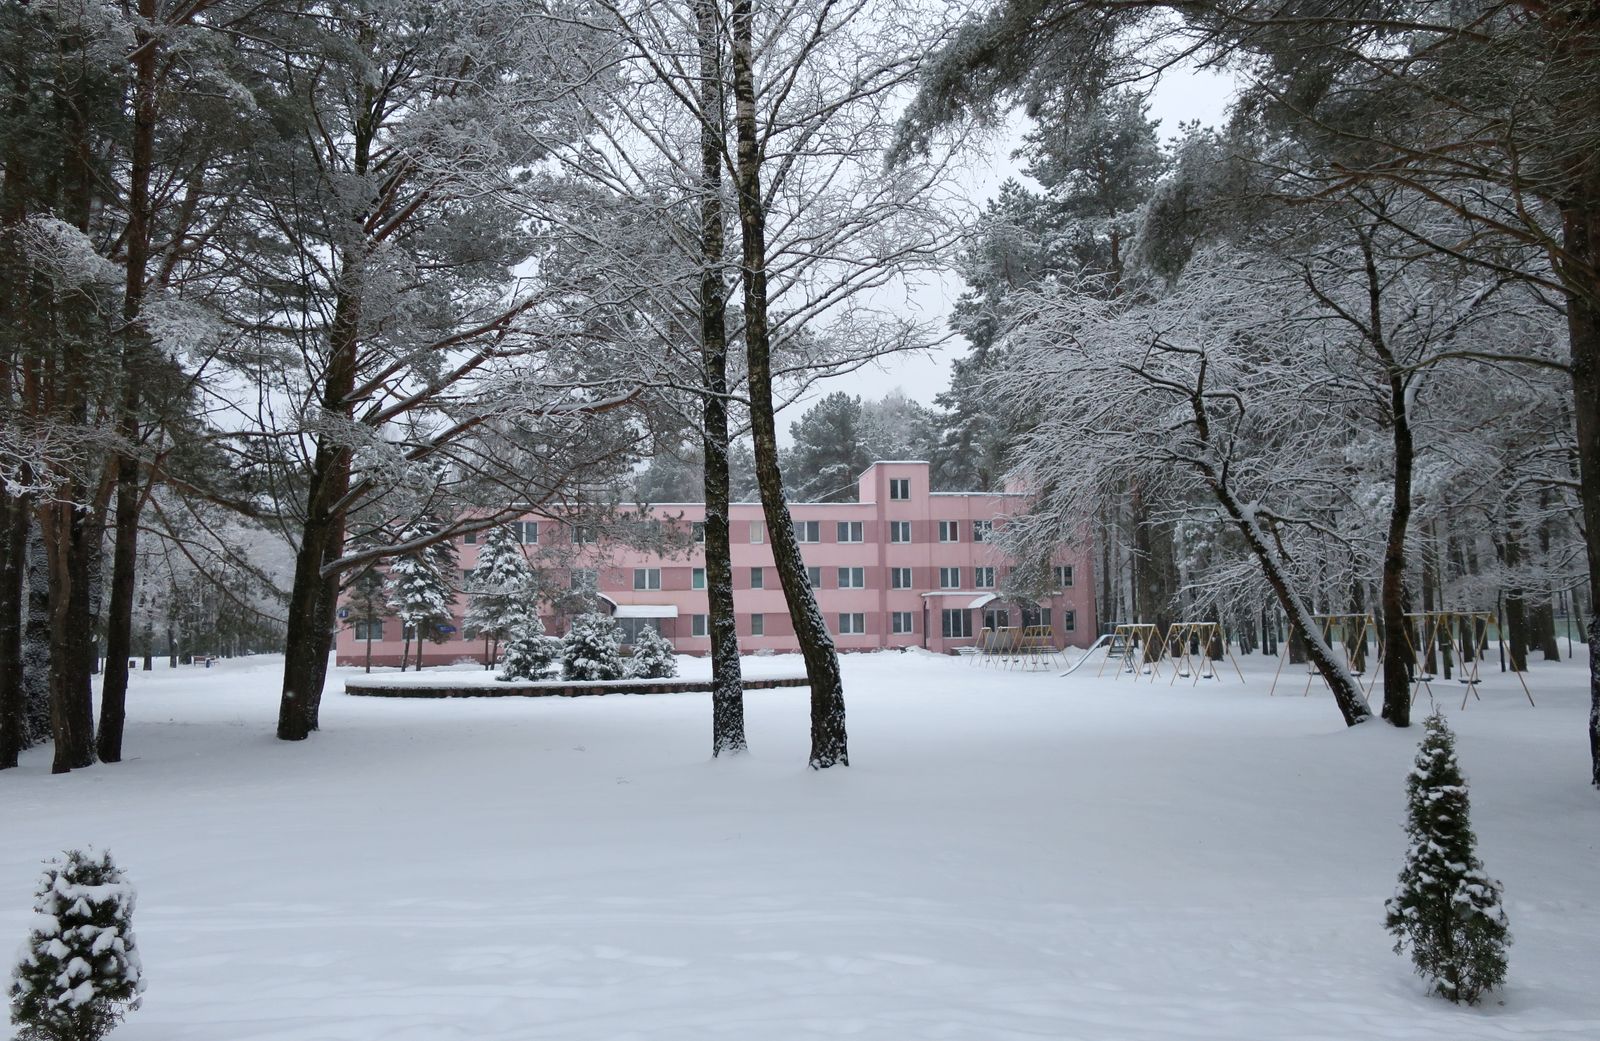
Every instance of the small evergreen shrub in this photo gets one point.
(529, 654)
(79, 972)
(653, 657)
(1447, 909)
(591, 649)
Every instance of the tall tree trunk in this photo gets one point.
(119, 615)
(314, 597)
(1581, 239)
(727, 680)
(13, 591)
(67, 537)
(829, 745)
(1156, 582)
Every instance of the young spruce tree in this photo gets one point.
(79, 971)
(590, 650)
(653, 658)
(530, 654)
(1447, 909)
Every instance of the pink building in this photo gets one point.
(901, 567)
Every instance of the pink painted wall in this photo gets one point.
(875, 555)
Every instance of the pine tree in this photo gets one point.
(653, 657)
(590, 649)
(419, 589)
(530, 654)
(1447, 909)
(79, 972)
(498, 592)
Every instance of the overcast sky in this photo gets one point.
(1180, 97)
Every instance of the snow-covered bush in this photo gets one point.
(529, 653)
(79, 970)
(590, 649)
(1447, 909)
(653, 658)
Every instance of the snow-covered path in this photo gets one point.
(1012, 856)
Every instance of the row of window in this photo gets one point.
(527, 532)
(649, 578)
(954, 623)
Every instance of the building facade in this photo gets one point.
(901, 567)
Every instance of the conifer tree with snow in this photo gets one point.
(497, 593)
(590, 649)
(1447, 909)
(419, 589)
(529, 654)
(79, 972)
(653, 657)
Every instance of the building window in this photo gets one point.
(982, 531)
(852, 578)
(808, 531)
(581, 534)
(1069, 620)
(585, 579)
(632, 627)
(1063, 576)
(647, 578)
(900, 488)
(369, 630)
(996, 618)
(850, 531)
(949, 532)
(697, 531)
(697, 578)
(758, 578)
(814, 577)
(758, 531)
(1032, 614)
(470, 538)
(983, 577)
(900, 622)
(899, 531)
(949, 578)
(758, 625)
(852, 624)
(529, 533)
(697, 625)
(955, 623)
(899, 578)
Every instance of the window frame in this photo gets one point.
(949, 531)
(850, 532)
(896, 529)
(852, 623)
(646, 573)
(949, 575)
(896, 573)
(961, 614)
(900, 489)
(910, 628)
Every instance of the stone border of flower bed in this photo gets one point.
(558, 688)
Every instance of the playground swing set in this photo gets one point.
(1138, 649)
(1462, 634)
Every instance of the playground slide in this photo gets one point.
(1087, 654)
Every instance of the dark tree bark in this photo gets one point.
(129, 501)
(727, 682)
(1582, 240)
(13, 557)
(1156, 584)
(829, 745)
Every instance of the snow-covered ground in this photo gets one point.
(1011, 856)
